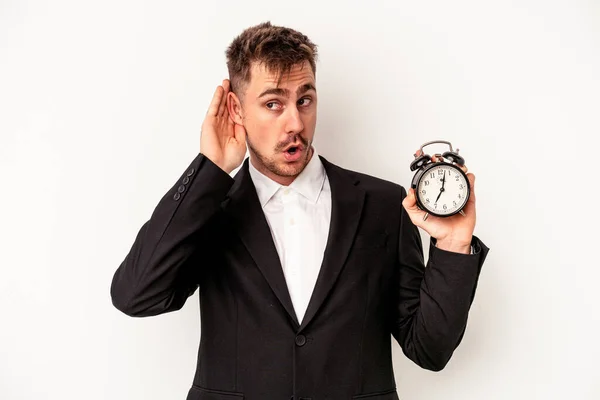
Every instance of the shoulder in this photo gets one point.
(369, 183)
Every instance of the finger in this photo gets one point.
(239, 132)
(418, 153)
(213, 108)
(464, 168)
(223, 103)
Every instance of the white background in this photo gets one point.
(100, 110)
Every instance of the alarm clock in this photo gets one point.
(441, 187)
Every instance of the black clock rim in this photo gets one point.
(435, 165)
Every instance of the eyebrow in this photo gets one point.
(286, 93)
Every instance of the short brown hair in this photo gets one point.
(276, 47)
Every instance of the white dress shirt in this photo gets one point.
(299, 217)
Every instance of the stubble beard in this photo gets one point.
(283, 168)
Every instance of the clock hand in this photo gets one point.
(442, 188)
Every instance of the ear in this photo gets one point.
(234, 106)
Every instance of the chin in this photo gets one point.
(289, 169)
(293, 168)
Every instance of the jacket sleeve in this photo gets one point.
(433, 302)
(162, 267)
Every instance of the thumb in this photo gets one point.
(410, 201)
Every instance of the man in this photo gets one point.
(304, 268)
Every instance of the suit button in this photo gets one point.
(186, 180)
(177, 196)
(190, 172)
(300, 340)
(181, 189)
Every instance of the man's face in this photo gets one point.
(280, 120)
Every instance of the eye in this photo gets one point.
(305, 101)
(272, 105)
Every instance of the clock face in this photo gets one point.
(443, 189)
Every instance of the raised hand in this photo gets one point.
(222, 140)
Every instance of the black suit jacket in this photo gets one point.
(209, 231)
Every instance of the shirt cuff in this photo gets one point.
(472, 248)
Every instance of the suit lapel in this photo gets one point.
(346, 209)
(252, 227)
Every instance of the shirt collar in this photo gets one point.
(308, 183)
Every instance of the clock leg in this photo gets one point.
(463, 213)
(425, 216)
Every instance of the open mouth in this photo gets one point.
(293, 152)
(293, 148)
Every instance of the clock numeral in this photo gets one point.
(424, 191)
(426, 183)
(459, 196)
(427, 200)
(454, 202)
(460, 186)
(432, 175)
(440, 172)
(445, 207)
(435, 205)
(457, 178)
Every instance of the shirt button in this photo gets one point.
(286, 191)
(300, 340)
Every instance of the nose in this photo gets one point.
(294, 124)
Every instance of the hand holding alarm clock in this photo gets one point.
(441, 199)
